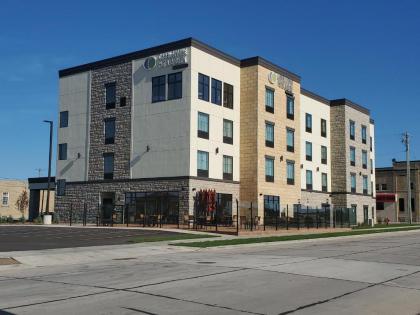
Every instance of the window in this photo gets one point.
(110, 95)
(62, 151)
(308, 147)
(216, 91)
(203, 126)
(269, 100)
(364, 135)
(290, 106)
(364, 159)
(401, 205)
(371, 144)
(290, 172)
(159, 89)
(174, 86)
(227, 95)
(269, 135)
(108, 165)
(202, 164)
(271, 207)
(109, 130)
(308, 122)
(227, 167)
(227, 131)
(380, 206)
(353, 182)
(269, 169)
(377, 187)
(324, 154)
(324, 182)
(5, 199)
(290, 135)
(203, 87)
(352, 156)
(371, 166)
(308, 180)
(323, 128)
(365, 185)
(352, 130)
(384, 187)
(64, 119)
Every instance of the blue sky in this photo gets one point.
(367, 51)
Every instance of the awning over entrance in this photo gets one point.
(385, 197)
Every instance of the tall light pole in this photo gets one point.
(47, 209)
(406, 141)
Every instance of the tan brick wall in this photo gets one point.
(253, 149)
(14, 188)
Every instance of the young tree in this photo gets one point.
(22, 202)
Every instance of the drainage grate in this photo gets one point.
(4, 261)
(127, 258)
(206, 262)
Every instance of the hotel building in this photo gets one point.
(153, 127)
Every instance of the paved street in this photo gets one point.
(376, 274)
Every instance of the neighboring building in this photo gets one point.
(155, 126)
(10, 191)
(38, 187)
(391, 191)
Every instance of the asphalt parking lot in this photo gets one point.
(22, 238)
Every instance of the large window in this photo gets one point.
(271, 209)
(5, 199)
(352, 156)
(353, 182)
(309, 185)
(269, 169)
(352, 130)
(62, 151)
(109, 130)
(290, 106)
(308, 149)
(308, 122)
(174, 86)
(269, 135)
(290, 135)
(365, 185)
(108, 165)
(202, 164)
(323, 128)
(216, 91)
(227, 131)
(401, 206)
(364, 159)
(324, 182)
(290, 172)
(269, 100)
(159, 89)
(324, 154)
(110, 95)
(203, 126)
(203, 87)
(64, 119)
(364, 135)
(227, 95)
(227, 167)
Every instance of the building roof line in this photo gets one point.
(315, 96)
(347, 102)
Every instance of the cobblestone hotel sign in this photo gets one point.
(171, 58)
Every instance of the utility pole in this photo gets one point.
(47, 210)
(406, 141)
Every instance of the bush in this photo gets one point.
(38, 220)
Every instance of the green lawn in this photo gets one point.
(240, 241)
(175, 237)
(384, 226)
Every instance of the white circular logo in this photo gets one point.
(149, 63)
(272, 77)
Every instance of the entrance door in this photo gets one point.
(366, 214)
(107, 207)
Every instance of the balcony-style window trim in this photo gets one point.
(269, 177)
(324, 186)
(308, 122)
(227, 95)
(353, 188)
(290, 110)
(227, 139)
(203, 172)
(352, 130)
(323, 128)
(324, 159)
(290, 148)
(308, 154)
(269, 142)
(309, 186)
(364, 134)
(227, 175)
(203, 133)
(290, 179)
(269, 99)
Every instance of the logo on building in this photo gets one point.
(171, 58)
(281, 81)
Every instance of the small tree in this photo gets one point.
(22, 202)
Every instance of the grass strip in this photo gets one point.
(175, 237)
(384, 226)
(241, 241)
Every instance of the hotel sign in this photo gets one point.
(282, 82)
(171, 58)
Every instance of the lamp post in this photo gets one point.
(47, 210)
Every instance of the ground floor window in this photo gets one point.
(271, 208)
(152, 208)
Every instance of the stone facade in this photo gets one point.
(315, 198)
(122, 76)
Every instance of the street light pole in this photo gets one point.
(47, 210)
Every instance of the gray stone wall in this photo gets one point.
(314, 198)
(122, 76)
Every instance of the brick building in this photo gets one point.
(151, 128)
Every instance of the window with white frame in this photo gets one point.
(5, 199)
